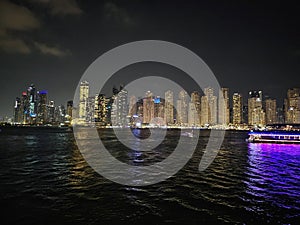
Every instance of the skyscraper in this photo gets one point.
(159, 107)
(204, 121)
(169, 107)
(148, 107)
(42, 107)
(120, 108)
(196, 109)
(31, 93)
(25, 108)
(51, 112)
(270, 107)
(69, 112)
(101, 110)
(17, 111)
(182, 108)
(193, 116)
(237, 107)
(292, 106)
(223, 106)
(209, 107)
(59, 114)
(256, 114)
(83, 97)
(90, 109)
(132, 106)
(140, 108)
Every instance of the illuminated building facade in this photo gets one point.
(270, 108)
(292, 106)
(194, 111)
(32, 95)
(148, 107)
(83, 98)
(209, 107)
(256, 114)
(51, 112)
(18, 111)
(237, 109)
(69, 112)
(204, 118)
(182, 108)
(90, 109)
(42, 107)
(102, 108)
(132, 106)
(169, 107)
(223, 107)
(159, 107)
(119, 111)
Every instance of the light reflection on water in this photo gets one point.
(273, 178)
(45, 180)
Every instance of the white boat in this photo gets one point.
(274, 136)
(187, 134)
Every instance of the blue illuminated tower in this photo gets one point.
(31, 93)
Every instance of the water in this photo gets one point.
(45, 180)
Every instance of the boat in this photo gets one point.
(274, 136)
(187, 134)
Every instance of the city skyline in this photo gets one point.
(250, 45)
(183, 109)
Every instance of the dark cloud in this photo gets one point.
(15, 18)
(11, 45)
(61, 7)
(51, 50)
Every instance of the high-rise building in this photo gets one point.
(17, 111)
(159, 107)
(139, 108)
(132, 106)
(90, 109)
(196, 100)
(256, 114)
(31, 93)
(69, 112)
(182, 108)
(51, 112)
(119, 111)
(204, 118)
(59, 114)
(102, 109)
(292, 106)
(209, 107)
(223, 109)
(280, 115)
(42, 107)
(245, 114)
(169, 107)
(270, 107)
(193, 116)
(148, 107)
(25, 108)
(237, 107)
(83, 100)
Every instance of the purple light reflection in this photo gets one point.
(290, 149)
(273, 176)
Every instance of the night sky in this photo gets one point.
(248, 44)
